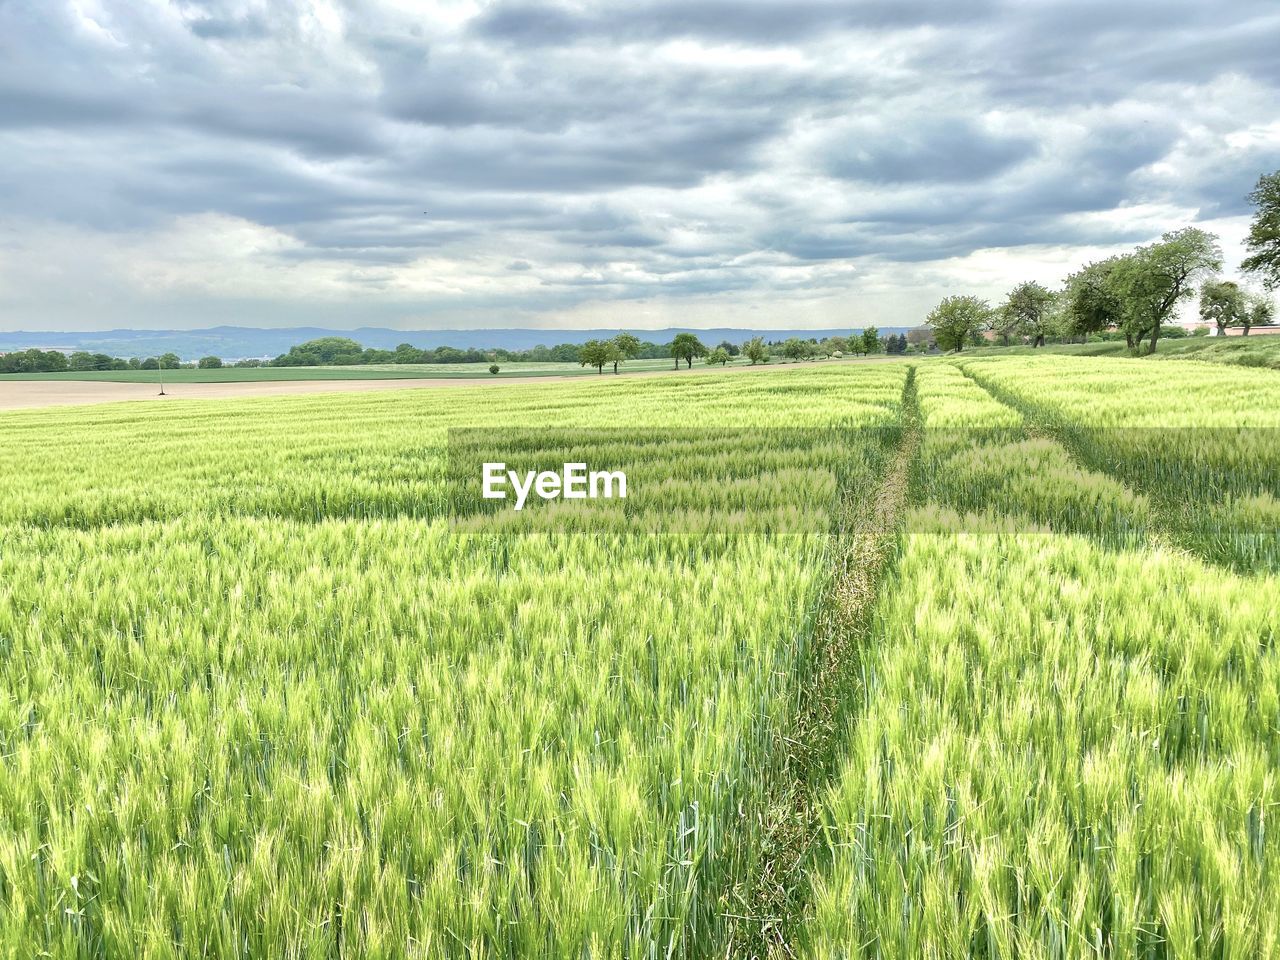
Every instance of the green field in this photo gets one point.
(384, 371)
(263, 695)
(1258, 350)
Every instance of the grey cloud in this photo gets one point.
(753, 20)
(947, 149)
(675, 138)
(210, 28)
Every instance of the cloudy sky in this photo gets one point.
(568, 164)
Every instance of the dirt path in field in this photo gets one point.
(27, 394)
(767, 909)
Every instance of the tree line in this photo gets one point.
(687, 347)
(55, 361)
(599, 354)
(342, 351)
(1135, 295)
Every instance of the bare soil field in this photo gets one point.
(26, 394)
(20, 394)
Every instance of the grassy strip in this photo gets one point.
(769, 905)
(1255, 351)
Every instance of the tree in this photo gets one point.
(1263, 242)
(895, 344)
(80, 360)
(33, 361)
(685, 347)
(596, 353)
(871, 340)
(922, 338)
(209, 363)
(955, 319)
(1093, 301)
(719, 355)
(626, 347)
(1025, 313)
(1258, 311)
(324, 351)
(729, 348)
(1222, 304)
(755, 351)
(169, 361)
(494, 368)
(795, 349)
(1153, 280)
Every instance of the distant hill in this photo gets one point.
(235, 343)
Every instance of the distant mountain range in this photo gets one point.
(236, 343)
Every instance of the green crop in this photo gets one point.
(1069, 743)
(259, 698)
(270, 688)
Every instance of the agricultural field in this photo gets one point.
(1068, 742)
(266, 691)
(262, 699)
(386, 371)
(372, 371)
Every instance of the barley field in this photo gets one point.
(264, 693)
(1070, 733)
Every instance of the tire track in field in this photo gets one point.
(1165, 526)
(766, 909)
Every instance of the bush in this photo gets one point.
(494, 368)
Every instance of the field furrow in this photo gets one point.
(1069, 744)
(1203, 447)
(780, 837)
(263, 702)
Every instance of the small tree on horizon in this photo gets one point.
(755, 351)
(1259, 311)
(1093, 302)
(795, 349)
(685, 347)
(871, 341)
(1153, 280)
(628, 348)
(596, 353)
(956, 319)
(1026, 312)
(1222, 304)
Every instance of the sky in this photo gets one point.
(647, 164)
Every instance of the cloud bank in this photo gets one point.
(659, 163)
